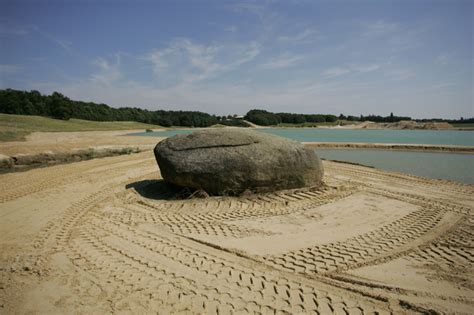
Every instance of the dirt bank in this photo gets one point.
(392, 146)
(61, 142)
(107, 236)
(25, 161)
(404, 124)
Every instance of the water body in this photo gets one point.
(453, 166)
(446, 137)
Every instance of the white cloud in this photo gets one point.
(247, 54)
(283, 61)
(441, 86)
(231, 29)
(335, 72)
(365, 68)
(400, 74)
(248, 7)
(191, 61)
(442, 60)
(108, 72)
(355, 69)
(188, 61)
(65, 45)
(306, 36)
(158, 59)
(379, 28)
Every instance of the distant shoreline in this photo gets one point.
(392, 146)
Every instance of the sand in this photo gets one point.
(38, 142)
(107, 236)
(104, 236)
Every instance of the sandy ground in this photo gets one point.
(105, 236)
(39, 142)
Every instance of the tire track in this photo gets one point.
(195, 264)
(383, 243)
(213, 217)
(142, 249)
(50, 179)
(453, 250)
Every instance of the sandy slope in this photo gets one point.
(39, 142)
(103, 236)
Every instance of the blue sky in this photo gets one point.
(354, 57)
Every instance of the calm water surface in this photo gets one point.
(448, 137)
(452, 166)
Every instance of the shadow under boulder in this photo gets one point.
(158, 189)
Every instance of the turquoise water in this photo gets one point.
(452, 166)
(447, 137)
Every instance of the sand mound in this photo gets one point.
(404, 124)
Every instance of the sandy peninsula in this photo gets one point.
(107, 236)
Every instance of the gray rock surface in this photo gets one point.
(231, 161)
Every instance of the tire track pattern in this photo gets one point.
(178, 271)
(176, 274)
(141, 249)
(213, 217)
(452, 250)
(53, 177)
(358, 250)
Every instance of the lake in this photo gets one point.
(453, 166)
(447, 137)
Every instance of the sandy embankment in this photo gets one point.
(39, 142)
(106, 236)
(49, 148)
(392, 146)
(400, 125)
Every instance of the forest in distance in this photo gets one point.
(59, 106)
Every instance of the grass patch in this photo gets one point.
(468, 125)
(17, 127)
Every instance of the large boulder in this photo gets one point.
(231, 161)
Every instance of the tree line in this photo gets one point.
(59, 106)
(265, 118)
